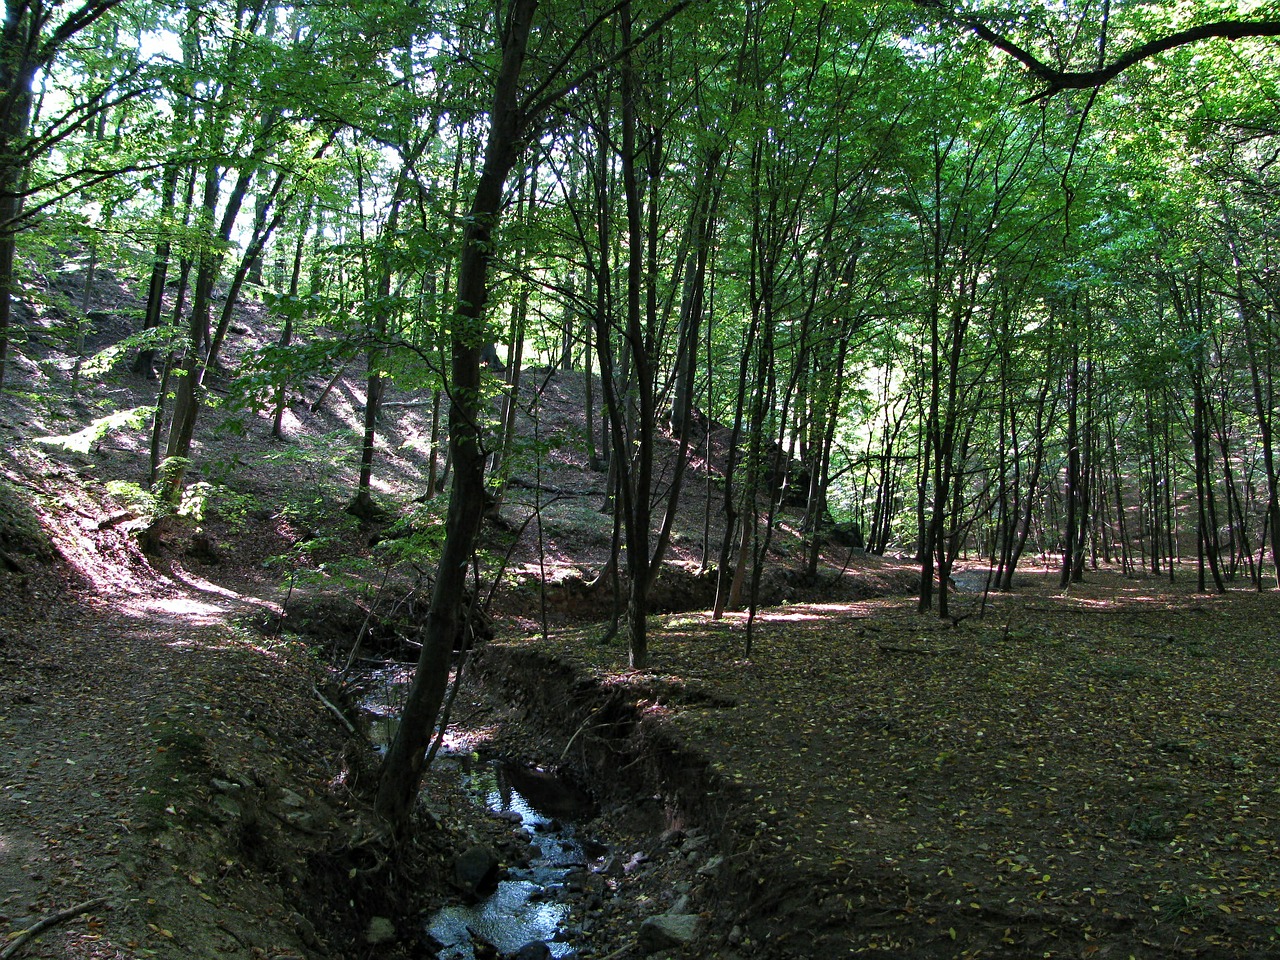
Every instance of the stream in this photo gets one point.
(531, 903)
(532, 900)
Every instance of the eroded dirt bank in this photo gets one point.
(673, 822)
(1089, 773)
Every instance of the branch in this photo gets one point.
(93, 178)
(1223, 29)
(536, 107)
(554, 73)
(40, 926)
(333, 709)
(79, 20)
(1056, 80)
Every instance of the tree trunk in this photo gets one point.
(145, 362)
(187, 403)
(1072, 494)
(403, 765)
(1256, 342)
(286, 334)
(636, 521)
(17, 73)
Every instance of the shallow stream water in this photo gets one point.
(530, 903)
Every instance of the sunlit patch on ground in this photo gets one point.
(179, 607)
(556, 569)
(798, 613)
(468, 739)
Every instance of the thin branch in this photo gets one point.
(333, 709)
(79, 20)
(40, 926)
(536, 108)
(536, 93)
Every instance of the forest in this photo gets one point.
(965, 286)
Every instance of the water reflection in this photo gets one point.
(526, 907)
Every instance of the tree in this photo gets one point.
(519, 107)
(34, 34)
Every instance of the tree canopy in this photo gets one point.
(974, 279)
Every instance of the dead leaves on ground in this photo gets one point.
(1104, 760)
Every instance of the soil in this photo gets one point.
(1084, 773)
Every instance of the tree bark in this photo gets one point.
(17, 73)
(403, 765)
(25, 49)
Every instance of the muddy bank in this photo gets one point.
(685, 834)
(609, 730)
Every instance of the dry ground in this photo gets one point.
(1088, 773)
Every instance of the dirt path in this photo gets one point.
(152, 751)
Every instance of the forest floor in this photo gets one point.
(1092, 772)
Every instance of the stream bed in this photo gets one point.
(531, 903)
(528, 912)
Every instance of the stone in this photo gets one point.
(537, 950)
(711, 867)
(668, 931)
(291, 799)
(693, 843)
(302, 926)
(302, 820)
(612, 867)
(204, 550)
(476, 869)
(672, 837)
(380, 930)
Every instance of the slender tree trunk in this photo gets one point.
(402, 767)
(144, 364)
(187, 404)
(637, 519)
(1075, 481)
(515, 358)
(1154, 511)
(18, 69)
(682, 407)
(1261, 394)
(1088, 469)
(286, 334)
(724, 587)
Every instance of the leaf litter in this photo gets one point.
(1093, 772)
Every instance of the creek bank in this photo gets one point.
(678, 831)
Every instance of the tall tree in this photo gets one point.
(34, 34)
(520, 105)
